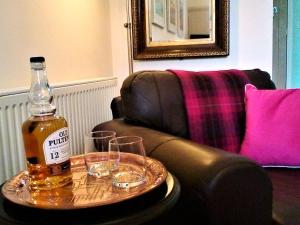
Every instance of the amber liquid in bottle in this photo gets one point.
(45, 136)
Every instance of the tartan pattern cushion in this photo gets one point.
(214, 102)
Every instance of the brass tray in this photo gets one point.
(85, 191)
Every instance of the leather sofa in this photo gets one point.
(218, 187)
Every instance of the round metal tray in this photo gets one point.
(85, 191)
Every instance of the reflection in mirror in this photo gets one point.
(164, 29)
(180, 20)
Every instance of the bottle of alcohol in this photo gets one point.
(45, 135)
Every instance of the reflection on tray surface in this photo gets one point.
(85, 191)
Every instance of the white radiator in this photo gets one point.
(83, 104)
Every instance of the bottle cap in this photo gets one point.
(38, 59)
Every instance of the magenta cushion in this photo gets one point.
(272, 135)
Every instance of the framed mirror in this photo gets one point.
(163, 29)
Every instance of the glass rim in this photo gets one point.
(110, 133)
(136, 139)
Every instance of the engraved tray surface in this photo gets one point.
(85, 191)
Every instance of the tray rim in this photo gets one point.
(145, 190)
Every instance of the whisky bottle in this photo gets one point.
(45, 135)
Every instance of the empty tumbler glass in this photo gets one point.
(127, 161)
(96, 152)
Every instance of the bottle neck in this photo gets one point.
(40, 94)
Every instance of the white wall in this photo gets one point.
(197, 3)
(163, 33)
(118, 17)
(87, 39)
(250, 42)
(199, 11)
(196, 15)
(74, 36)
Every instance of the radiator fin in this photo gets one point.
(83, 105)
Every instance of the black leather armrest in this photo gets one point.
(217, 187)
(116, 107)
(228, 188)
(152, 138)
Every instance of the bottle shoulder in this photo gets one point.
(44, 123)
(46, 118)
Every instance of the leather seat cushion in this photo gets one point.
(286, 195)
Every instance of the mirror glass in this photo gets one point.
(174, 22)
(163, 29)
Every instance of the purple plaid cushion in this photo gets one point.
(214, 103)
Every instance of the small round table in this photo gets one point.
(138, 210)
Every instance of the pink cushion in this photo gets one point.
(272, 135)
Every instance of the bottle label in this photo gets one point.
(57, 147)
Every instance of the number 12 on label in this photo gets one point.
(54, 155)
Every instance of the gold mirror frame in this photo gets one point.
(142, 51)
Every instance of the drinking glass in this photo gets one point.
(128, 161)
(96, 152)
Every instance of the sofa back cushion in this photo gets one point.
(154, 99)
